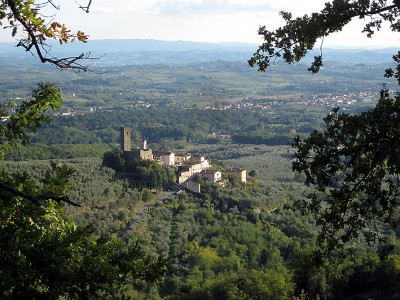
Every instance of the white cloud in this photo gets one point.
(178, 7)
(196, 20)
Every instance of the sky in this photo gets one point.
(199, 20)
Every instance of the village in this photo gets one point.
(188, 165)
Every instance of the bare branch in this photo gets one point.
(85, 8)
(45, 3)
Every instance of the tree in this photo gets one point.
(43, 255)
(354, 163)
(354, 166)
(253, 173)
(23, 118)
(114, 159)
(298, 36)
(28, 115)
(150, 173)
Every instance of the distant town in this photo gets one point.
(327, 100)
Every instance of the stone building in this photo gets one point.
(211, 175)
(165, 158)
(130, 154)
(240, 174)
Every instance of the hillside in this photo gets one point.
(237, 241)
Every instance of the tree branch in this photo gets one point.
(86, 8)
(378, 11)
(33, 42)
(37, 199)
(294, 40)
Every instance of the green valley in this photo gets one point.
(238, 241)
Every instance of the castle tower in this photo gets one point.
(126, 144)
(143, 144)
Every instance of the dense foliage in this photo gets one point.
(354, 166)
(43, 254)
(238, 242)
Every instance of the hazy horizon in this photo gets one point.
(223, 43)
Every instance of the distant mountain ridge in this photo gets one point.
(137, 45)
(148, 51)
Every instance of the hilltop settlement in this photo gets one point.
(187, 165)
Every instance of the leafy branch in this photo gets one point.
(27, 14)
(28, 117)
(298, 36)
(354, 167)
